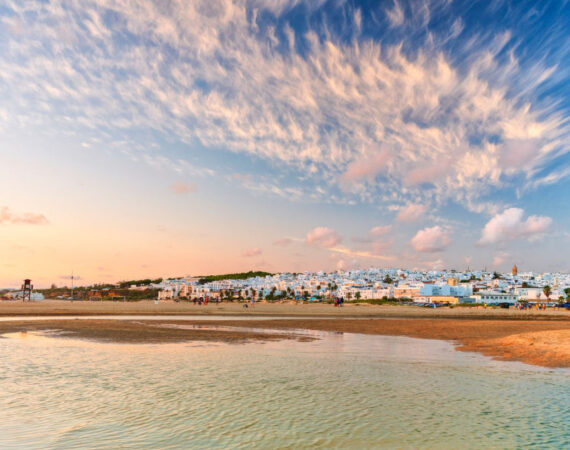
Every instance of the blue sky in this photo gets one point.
(151, 138)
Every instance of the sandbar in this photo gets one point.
(535, 337)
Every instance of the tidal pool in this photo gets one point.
(340, 391)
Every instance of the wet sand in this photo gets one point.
(539, 342)
(287, 308)
(532, 336)
(132, 332)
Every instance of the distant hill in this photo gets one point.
(145, 282)
(232, 276)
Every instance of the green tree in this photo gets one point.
(387, 279)
(358, 295)
(567, 292)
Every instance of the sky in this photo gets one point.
(144, 138)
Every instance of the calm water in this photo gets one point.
(342, 391)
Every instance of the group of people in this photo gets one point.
(338, 301)
(539, 306)
(204, 300)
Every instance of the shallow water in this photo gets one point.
(160, 317)
(343, 390)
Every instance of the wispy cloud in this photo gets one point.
(380, 230)
(395, 14)
(68, 277)
(181, 187)
(500, 258)
(226, 75)
(251, 252)
(283, 242)
(411, 213)
(9, 217)
(323, 237)
(367, 167)
(360, 253)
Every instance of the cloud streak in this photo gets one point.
(181, 187)
(215, 72)
(8, 217)
(411, 213)
(323, 237)
(251, 252)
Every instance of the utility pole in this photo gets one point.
(71, 285)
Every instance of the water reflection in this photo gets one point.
(343, 390)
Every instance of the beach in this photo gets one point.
(533, 337)
(264, 308)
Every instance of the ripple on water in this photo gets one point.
(341, 391)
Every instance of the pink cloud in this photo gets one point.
(380, 230)
(430, 240)
(323, 236)
(380, 247)
(500, 259)
(7, 216)
(411, 213)
(367, 167)
(283, 242)
(427, 174)
(517, 153)
(183, 188)
(241, 176)
(509, 225)
(68, 277)
(251, 252)
(341, 265)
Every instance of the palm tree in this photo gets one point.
(547, 291)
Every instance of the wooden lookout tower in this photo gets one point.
(27, 290)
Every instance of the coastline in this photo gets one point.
(285, 308)
(533, 337)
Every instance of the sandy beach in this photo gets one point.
(286, 308)
(534, 337)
